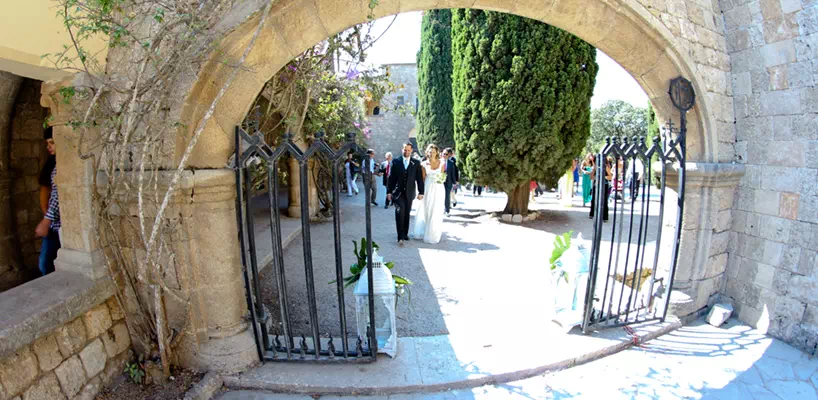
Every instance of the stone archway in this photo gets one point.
(654, 41)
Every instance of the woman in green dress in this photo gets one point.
(587, 167)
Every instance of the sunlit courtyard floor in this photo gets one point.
(694, 362)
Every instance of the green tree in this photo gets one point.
(435, 121)
(616, 118)
(653, 125)
(522, 93)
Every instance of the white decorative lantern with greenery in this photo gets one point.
(386, 332)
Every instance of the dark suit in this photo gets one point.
(385, 174)
(402, 183)
(452, 177)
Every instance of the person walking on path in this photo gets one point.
(604, 191)
(587, 167)
(575, 168)
(385, 169)
(351, 169)
(452, 177)
(373, 176)
(49, 227)
(405, 175)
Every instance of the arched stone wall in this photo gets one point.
(655, 40)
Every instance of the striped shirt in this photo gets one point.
(53, 212)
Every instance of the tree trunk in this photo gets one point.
(518, 199)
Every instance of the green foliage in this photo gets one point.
(358, 267)
(135, 372)
(561, 244)
(435, 122)
(522, 93)
(616, 118)
(67, 93)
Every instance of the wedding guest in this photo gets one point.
(351, 169)
(587, 167)
(49, 227)
(373, 176)
(385, 169)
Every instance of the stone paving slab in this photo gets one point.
(435, 363)
(697, 361)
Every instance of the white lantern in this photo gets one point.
(570, 281)
(384, 291)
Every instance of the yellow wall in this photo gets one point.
(28, 30)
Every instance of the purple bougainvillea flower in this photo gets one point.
(352, 74)
(292, 67)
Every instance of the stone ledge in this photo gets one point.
(34, 309)
(699, 174)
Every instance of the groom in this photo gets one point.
(404, 174)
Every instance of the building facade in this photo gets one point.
(393, 120)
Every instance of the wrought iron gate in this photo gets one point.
(254, 158)
(621, 288)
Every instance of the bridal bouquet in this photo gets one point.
(440, 178)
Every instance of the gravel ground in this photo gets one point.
(484, 275)
(124, 388)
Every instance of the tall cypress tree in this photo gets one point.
(435, 123)
(522, 100)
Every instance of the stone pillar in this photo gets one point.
(80, 250)
(703, 249)
(208, 265)
(9, 256)
(293, 168)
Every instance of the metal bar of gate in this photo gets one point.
(239, 207)
(590, 288)
(307, 247)
(373, 341)
(278, 257)
(251, 238)
(680, 213)
(339, 268)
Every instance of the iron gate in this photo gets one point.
(620, 289)
(253, 154)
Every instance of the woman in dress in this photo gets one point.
(587, 167)
(429, 217)
(351, 168)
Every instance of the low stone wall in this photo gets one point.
(72, 361)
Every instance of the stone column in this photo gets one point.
(80, 250)
(703, 249)
(9, 256)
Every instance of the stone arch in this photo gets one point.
(655, 41)
(624, 29)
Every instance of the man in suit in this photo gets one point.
(386, 167)
(404, 174)
(373, 176)
(452, 176)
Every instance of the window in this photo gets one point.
(376, 110)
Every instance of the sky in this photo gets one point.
(401, 43)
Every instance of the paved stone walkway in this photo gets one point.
(484, 278)
(694, 362)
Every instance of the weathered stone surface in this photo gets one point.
(788, 205)
(507, 217)
(719, 314)
(116, 340)
(90, 390)
(517, 218)
(71, 376)
(115, 309)
(71, 337)
(97, 320)
(48, 353)
(93, 358)
(46, 388)
(803, 288)
(18, 371)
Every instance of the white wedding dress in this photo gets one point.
(429, 217)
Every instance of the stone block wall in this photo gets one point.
(73, 361)
(390, 129)
(772, 273)
(27, 156)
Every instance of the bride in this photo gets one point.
(429, 217)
